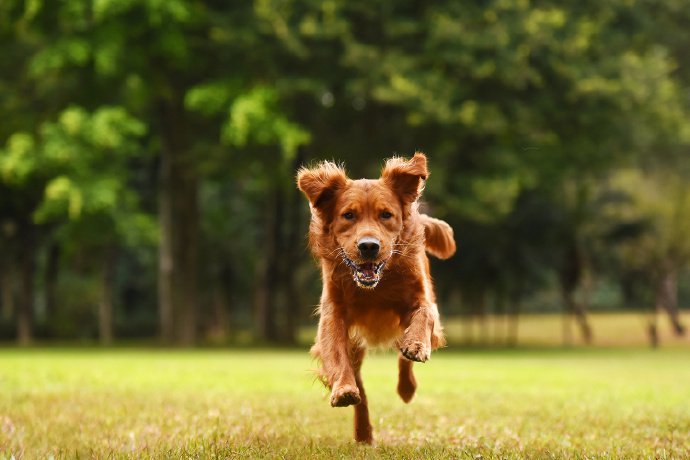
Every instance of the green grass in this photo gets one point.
(578, 403)
(609, 329)
(545, 330)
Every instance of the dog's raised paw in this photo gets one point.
(346, 395)
(415, 351)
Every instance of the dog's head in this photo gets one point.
(364, 217)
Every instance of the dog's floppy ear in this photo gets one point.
(406, 177)
(321, 185)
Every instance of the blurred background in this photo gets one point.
(148, 150)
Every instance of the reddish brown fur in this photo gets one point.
(401, 309)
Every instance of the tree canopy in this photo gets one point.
(148, 150)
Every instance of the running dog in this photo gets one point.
(371, 242)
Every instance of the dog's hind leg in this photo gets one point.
(363, 432)
(407, 384)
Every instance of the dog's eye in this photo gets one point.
(349, 215)
(386, 215)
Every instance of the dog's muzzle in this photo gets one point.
(368, 274)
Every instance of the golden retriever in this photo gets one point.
(371, 241)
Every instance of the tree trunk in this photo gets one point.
(105, 306)
(499, 318)
(583, 322)
(260, 305)
(165, 249)
(483, 320)
(514, 322)
(577, 311)
(292, 250)
(7, 290)
(570, 277)
(567, 328)
(667, 297)
(268, 271)
(51, 278)
(178, 219)
(219, 328)
(25, 312)
(186, 253)
(652, 330)
(467, 316)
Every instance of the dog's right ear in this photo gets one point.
(321, 185)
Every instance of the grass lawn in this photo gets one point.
(609, 329)
(545, 330)
(577, 403)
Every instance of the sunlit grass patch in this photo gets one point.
(625, 403)
(609, 329)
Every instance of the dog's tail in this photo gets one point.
(439, 237)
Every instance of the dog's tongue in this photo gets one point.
(367, 270)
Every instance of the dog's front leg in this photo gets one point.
(333, 348)
(420, 335)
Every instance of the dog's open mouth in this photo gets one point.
(366, 275)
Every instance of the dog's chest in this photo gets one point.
(376, 328)
(377, 319)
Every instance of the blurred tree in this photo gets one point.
(144, 56)
(659, 206)
(158, 51)
(254, 119)
(83, 160)
(513, 98)
(20, 239)
(522, 107)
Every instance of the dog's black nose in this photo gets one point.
(369, 247)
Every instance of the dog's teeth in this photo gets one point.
(366, 275)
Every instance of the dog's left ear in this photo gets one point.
(406, 177)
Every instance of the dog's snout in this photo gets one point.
(369, 247)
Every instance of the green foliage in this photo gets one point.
(255, 117)
(212, 98)
(659, 201)
(84, 158)
(525, 109)
(18, 160)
